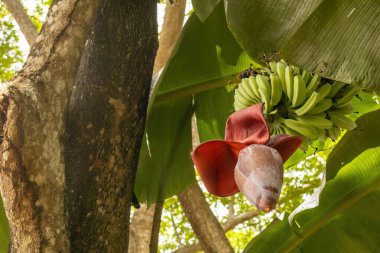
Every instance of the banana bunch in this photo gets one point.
(298, 102)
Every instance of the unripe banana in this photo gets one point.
(238, 105)
(273, 66)
(306, 76)
(254, 86)
(317, 121)
(334, 133)
(308, 105)
(289, 81)
(290, 131)
(346, 94)
(296, 70)
(322, 106)
(341, 121)
(276, 89)
(312, 86)
(304, 129)
(323, 91)
(265, 91)
(299, 94)
(281, 75)
(244, 85)
(309, 109)
(335, 88)
(348, 109)
(243, 96)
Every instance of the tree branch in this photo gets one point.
(227, 226)
(19, 14)
(154, 238)
(238, 219)
(173, 21)
(205, 225)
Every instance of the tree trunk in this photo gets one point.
(105, 124)
(19, 14)
(32, 116)
(143, 218)
(205, 225)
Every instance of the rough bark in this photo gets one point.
(32, 105)
(142, 221)
(105, 124)
(205, 225)
(18, 12)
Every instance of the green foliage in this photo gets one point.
(337, 39)
(10, 54)
(4, 231)
(206, 57)
(365, 136)
(346, 219)
(38, 14)
(203, 8)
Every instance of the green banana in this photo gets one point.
(322, 106)
(265, 91)
(273, 66)
(346, 94)
(308, 105)
(306, 76)
(312, 86)
(348, 109)
(289, 81)
(323, 91)
(276, 89)
(248, 91)
(304, 129)
(299, 93)
(254, 86)
(317, 121)
(281, 75)
(334, 133)
(296, 70)
(290, 131)
(341, 121)
(238, 106)
(241, 98)
(335, 88)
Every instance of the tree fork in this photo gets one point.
(105, 124)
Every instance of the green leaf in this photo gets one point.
(4, 230)
(212, 108)
(365, 135)
(203, 8)
(165, 167)
(337, 39)
(206, 57)
(346, 219)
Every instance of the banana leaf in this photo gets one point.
(337, 39)
(205, 58)
(203, 8)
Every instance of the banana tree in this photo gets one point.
(219, 41)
